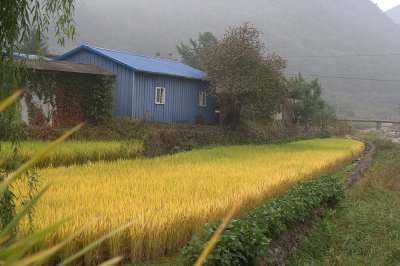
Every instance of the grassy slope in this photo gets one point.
(365, 229)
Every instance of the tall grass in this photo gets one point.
(365, 229)
(172, 197)
(75, 152)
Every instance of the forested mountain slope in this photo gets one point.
(394, 14)
(294, 29)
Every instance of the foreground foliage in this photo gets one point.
(75, 152)
(173, 197)
(18, 20)
(364, 230)
(24, 250)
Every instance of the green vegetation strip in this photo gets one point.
(73, 152)
(365, 229)
(246, 240)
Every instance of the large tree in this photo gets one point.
(246, 81)
(309, 107)
(191, 53)
(19, 19)
(35, 45)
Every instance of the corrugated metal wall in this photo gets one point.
(182, 95)
(181, 99)
(124, 82)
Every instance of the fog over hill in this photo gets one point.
(394, 13)
(297, 30)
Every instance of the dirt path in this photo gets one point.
(286, 246)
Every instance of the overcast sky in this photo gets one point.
(386, 4)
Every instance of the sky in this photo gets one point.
(386, 4)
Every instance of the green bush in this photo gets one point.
(246, 240)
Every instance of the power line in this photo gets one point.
(344, 55)
(342, 77)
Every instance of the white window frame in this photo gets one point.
(162, 92)
(203, 99)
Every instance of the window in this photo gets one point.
(160, 95)
(203, 99)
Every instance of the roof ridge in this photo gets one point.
(141, 63)
(129, 53)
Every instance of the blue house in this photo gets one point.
(162, 90)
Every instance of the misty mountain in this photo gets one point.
(394, 14)
(300, 31)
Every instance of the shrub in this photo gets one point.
(383, 144)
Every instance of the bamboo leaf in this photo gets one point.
(32, 162)
(80, 231)
(95, 243)
(2, 162)
(213, 241)
(14, 222)
(42, 255)
(10, 100)
(112, 262)
(3, 240)
(19, 249)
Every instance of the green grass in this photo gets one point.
(368, 136)
(74, 152)
(171, 260)
(365, 229)
(362, 125)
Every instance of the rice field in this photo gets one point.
(75, 152)
(171, 198)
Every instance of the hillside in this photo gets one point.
(291, 28)
(394, 14)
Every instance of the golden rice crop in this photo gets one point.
(75, 152)
(173, 197)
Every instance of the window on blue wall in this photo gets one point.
(160, 95)
(203, 99)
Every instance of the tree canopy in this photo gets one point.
(35, 45)
(191, 53)
(309, 107)
(246, 81)
(19, 20)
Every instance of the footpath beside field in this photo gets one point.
(286, 246)
(365, 228)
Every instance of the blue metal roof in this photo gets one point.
(142, 63)
(29, 56)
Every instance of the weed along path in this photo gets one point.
(173, 197)
(364, 229)
(285, 247)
